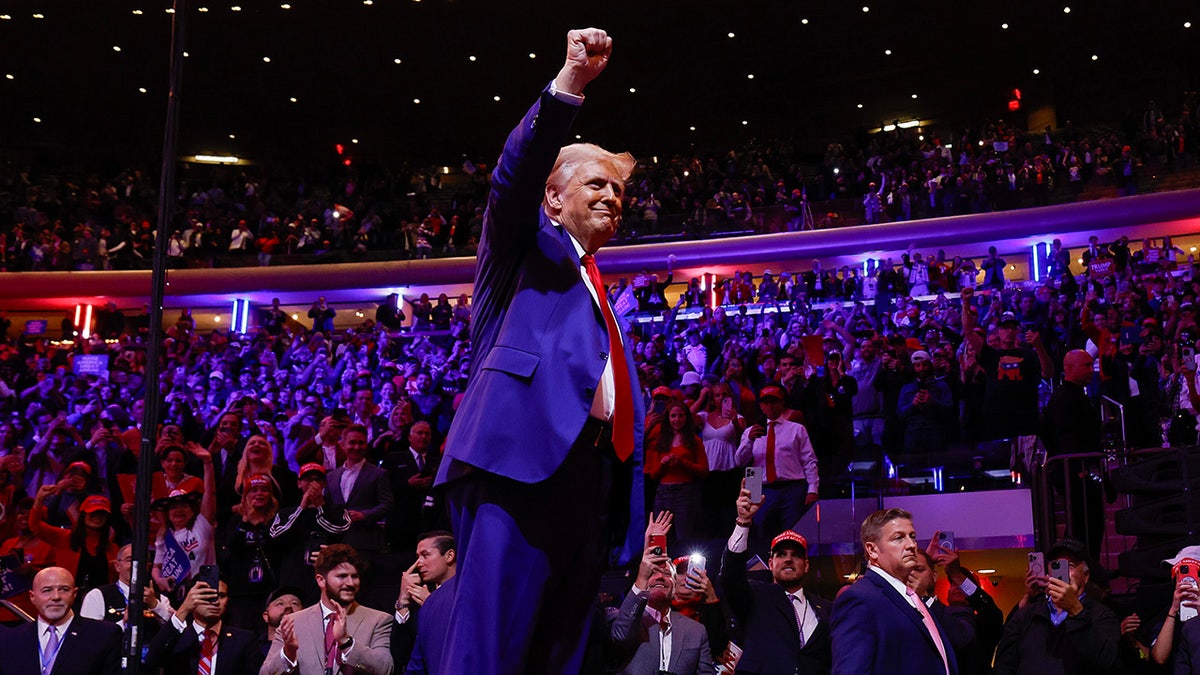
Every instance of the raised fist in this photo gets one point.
(587, 55)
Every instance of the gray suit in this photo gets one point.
(370, 655)
(639, 640)
(371, 494)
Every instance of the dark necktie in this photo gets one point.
(623, 396)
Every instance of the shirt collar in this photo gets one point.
(895, 583)
(62, 628)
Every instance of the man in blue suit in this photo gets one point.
(879, 624)
(550, 418)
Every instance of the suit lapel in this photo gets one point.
(359, 481)
(335, 487)
(316, 633)
(906, 609)
(783, 605)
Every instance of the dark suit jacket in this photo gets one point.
(876, 631)
(89, 648)
(1086, 643)
(539, 340)
(238, 651)
(409, 515)
(771, 644)
(371, 494)
(426, 656)
(640, 646)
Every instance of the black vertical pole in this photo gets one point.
(166, 216)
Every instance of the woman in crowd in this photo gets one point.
(675, 460)
(259, 457)
(720, 429)
(188, 524)
(86, 549)
(245, 557)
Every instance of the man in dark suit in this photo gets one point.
(436, 565)
(550, 417)
(649, 636)
(362, 489)
(786, 630)
(59, 642)
(412, 470)
(196, 640)
(879, 624)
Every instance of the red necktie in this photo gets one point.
(930, 626)
(623, 404)
(208, 649)
(330, 647)
(771, 474)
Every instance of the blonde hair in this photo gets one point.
(571, 157)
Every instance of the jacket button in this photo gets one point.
(589, 392)
(603, 356)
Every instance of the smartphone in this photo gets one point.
(1187, 574)
(697, 563)
(946, 540)
(727, 408)
(210, 575)
(658, 544)
(1037, 563)
(754, 483)
(1060, 569)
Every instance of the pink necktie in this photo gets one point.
(930, 626)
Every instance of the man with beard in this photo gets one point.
(786, 630)
(281, 602)
(59, 641)
(336, 633)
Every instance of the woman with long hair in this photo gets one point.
(245, 555)
(86, 549)
(675, 460)
(259, 457)
(720, 429)
(189, 518)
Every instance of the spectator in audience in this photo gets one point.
(110, 601)
(648, 635)
(246, 555)
(966, 594)
(925, 405)
(781, 449)
(188, 523)
(434, 568)
(322, 316)
(363, 491)
(676, 462)
(390, 314)
(411, 472)
(360, 635)
(721, 430)
(299, 534)
(785, 629)
(1072, 426)
(281, 602)
(88, 546)
(873, 627)
(1071, 632)
(197, 639)
(91, 647)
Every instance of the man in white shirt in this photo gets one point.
(109, 602)
(650, 638)
(783, 452)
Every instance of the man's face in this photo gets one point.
(895, 552)
(419, 436)
(281, 607)
(771, 407)
(124, 564)
(228, 424)
(354, 444)
(923, 577)
(788, 566)
(590, 202)
(867, 349)
(432, 564)
(363, 402)
(52, 594)
(923, 368)
(340, 585)
(661, 587)
(211, 612)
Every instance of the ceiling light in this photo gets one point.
(203, 9)
(745, 122)
(471, 58)
(866, 9)
(141, 90)
(985, 571)
(170, 10)
(216, 159)
(887, 52)
(860, 106)
(185, 55)
(750, 76)
(914, 95)
(292, 99)
(232, 136)
(1187, 24)
(1004, 26)
(9, 76)
(235, 8)
(116, 48)
(37, 120)
(1066, 10)
(731, 35)
(397, 61)
(1095, 57)
(804, 21)
(266, 59)
(39, 16)
(417, 101)
(354, 140)
(368, 2)
(532, 55)
(692, 128)
(633, 90)
(1036, 71)
(285, 6)
(496, 98)
(136, 12)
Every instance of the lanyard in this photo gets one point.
(47, 661)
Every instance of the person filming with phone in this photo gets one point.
(782, 455)
(1068, 630)
(785, 629)
(1179, 637)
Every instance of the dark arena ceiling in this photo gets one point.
(288, 80)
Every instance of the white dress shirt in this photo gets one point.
(794, 455)
(93, 605)
(349, 476)
(200, 628)
(605, 400)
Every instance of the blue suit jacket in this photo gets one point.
(89, 648)
(538, 338)
(426, 656)
(875, 630)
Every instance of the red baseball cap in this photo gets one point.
(96, 503)
(261, 480)
(311, 467)
(790, 536)
(772, 390)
